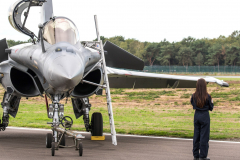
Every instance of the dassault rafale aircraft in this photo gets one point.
(58, 65)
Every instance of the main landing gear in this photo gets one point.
(10, 106)
(96, 126)
(82, 107)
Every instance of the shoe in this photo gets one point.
(196, 159)
(204, 158)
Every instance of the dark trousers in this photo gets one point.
(201, 134)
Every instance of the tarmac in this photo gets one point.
(24, 143)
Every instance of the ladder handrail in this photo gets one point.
(106, 83)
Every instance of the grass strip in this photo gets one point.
(142, 121)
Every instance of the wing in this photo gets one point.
(119, 78)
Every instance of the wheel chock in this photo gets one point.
(97, 138)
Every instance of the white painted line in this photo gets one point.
(33, 129)
(171, 138)
(124, 135)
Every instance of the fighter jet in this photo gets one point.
(58, 65)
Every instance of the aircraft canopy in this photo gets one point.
(60, 29)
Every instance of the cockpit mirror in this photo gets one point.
(40, 26)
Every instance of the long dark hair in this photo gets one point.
(200, 96)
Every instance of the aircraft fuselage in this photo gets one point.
(60, 68)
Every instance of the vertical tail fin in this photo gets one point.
(119, 58)
(46, 11)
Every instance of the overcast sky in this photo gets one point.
(144, 20)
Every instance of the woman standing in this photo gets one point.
(202, 103)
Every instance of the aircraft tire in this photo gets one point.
(97, 124)
(80, 149)
(62, 143)
(49, 140)
(53, 149)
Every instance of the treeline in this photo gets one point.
(14, 43)
(188, 52)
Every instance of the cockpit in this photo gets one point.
(60, 29)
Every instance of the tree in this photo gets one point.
(117, 40)
(104, 39)
(187, 41)
(167, 54)
(216, 53)
(235, 34)
(232, 55)
(199, 60)
(14, 43)
(200, 47)
(185, 56)
(152, 51)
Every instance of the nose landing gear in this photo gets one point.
(67, 123)
(57, 139)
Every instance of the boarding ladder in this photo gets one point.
(97, 45)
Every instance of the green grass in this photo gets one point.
(235, 99)
(117, 91)
(149, 95)
(186, 95)
(229, 79)
(116, 97)
(160, 112)
(186, 103)
(134, 120)
(225, 94)
(220, 94)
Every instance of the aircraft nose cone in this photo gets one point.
(65, 72)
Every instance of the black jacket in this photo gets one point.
(208, 104)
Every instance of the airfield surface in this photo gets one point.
(159, 112)
(21, 144)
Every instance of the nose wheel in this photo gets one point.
(80, 149)
(49, 140)
(53, 149)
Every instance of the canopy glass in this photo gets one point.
(61, 29)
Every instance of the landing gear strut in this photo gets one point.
(96, 125)
(86, 106)
(6, 107)
(57, 140)
(4, 123)
(10, 105)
